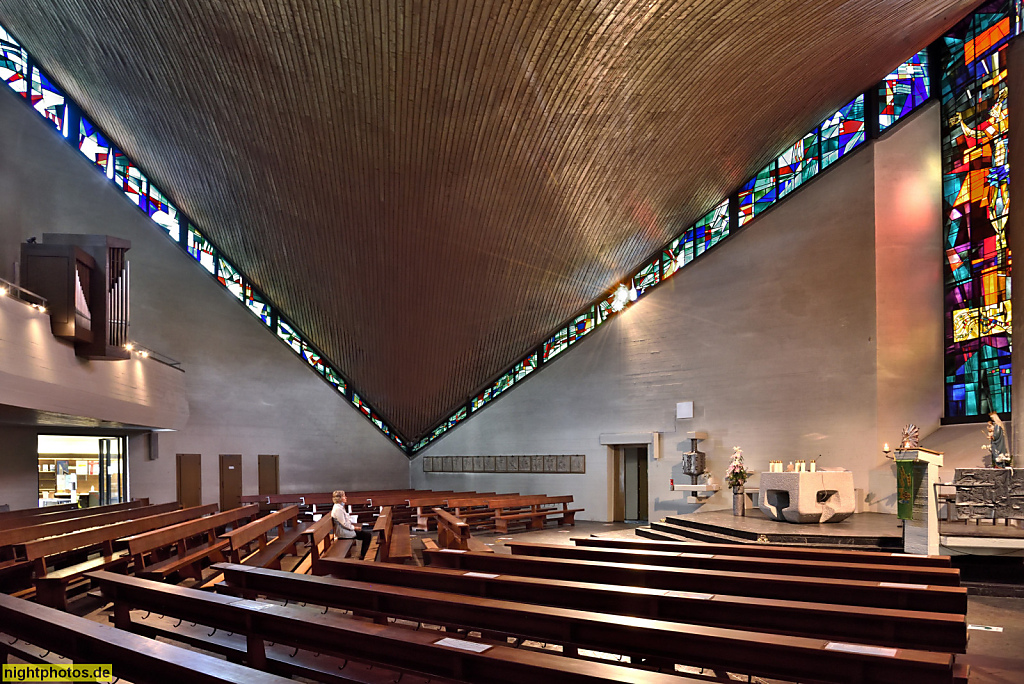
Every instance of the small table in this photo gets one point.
(804, 497)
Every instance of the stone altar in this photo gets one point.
(804, 497)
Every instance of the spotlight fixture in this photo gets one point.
(144, 354)
(129, 346)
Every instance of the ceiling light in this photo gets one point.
(129, 346)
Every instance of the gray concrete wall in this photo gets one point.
(19, 484)
(247, 393)
(773, 336)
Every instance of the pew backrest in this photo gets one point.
(257, 529)
(20, 535)
(107, 534)
(171, 534)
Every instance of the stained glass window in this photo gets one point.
(556, 344)
(482, 399)
(290, 337)
(92, 144)
(200, 249)
(457, 417)
(229, 277)
(332, 377)
(48, 100)
(646, 278)
(903, 90)
(714, 225)
(976, 176)
(581, 325)
(358, 402)
(258, 305)
(842, 131)
(13, 63)
(130, 179)
(163, 212)
(525, 367)
(756, 195)
(798, 164)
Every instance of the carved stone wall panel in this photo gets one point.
(548, 464)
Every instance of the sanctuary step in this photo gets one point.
(867, 532)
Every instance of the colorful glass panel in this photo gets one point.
(130, 179)
(646, 278)
(290, 337)
(756, 195)
(903, 90)
(229, 277)
(671, 258)
(976, 175)
(556, 344)
(842, 131)
(332, 377)
(163, 213)
(201, 250)
(48, 100)
(525, 367)
(358, 402)
(798, 164)
(92, 144)
(259, 306)
(581, 325)
(13, 63)
(714, 225)
(482, 400)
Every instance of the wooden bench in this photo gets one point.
(425, 651)
(454, 533)
(62, 512)
(322, 545)
(658, 641)
(786, 587)
(51, 585)
(761, 550)
(478, 511)
(424, 504)
(269, 552)
(910, 574)
(133, 657)
(861, 624)
(540, 507)
(391, 543)
(193, 542)
(20, 535)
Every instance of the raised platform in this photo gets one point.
(863, 531)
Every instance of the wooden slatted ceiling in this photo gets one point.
(429, 188)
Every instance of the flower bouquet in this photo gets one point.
(736, 474)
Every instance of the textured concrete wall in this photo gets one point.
(40, 372)
(247, 393)
(19, 475)
(773, 336)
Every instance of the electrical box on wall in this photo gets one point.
(684, 409)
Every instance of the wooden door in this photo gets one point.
(190, 480)
(230, 481)
(268, 473)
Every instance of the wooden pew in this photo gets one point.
(269, 553)
(786, 587)
(19, 513)
(425, 503)
(949, 577)
(478, 511)
(761, 550)
(752, 653)
(151, 550)
(58, 513)
(20, 535)
(423, 651)
(861, 624)
(51, 585)
(454, 533)
(508, 512)
(391, 543)
(133, 657)
(322, 546)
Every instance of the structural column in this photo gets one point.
(1015, 227)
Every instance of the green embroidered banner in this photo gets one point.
(905, 490)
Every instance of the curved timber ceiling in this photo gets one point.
(429, 187)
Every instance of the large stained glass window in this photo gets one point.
(93, 145)
(975, 186)
(13, 63)
(903, 90)
(48, 100)
(842, 131)
(798, 164)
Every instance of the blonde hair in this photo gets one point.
(337, 495)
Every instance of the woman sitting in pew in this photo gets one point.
(345, 525)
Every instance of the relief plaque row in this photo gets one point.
(505, 464)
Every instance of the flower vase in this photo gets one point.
(739, 506)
